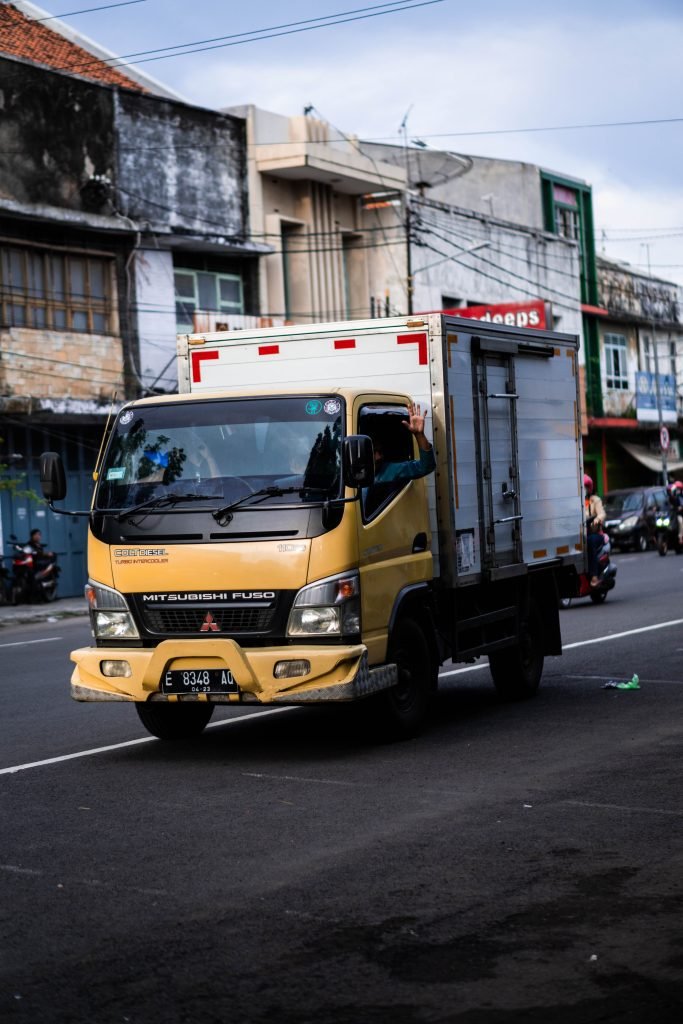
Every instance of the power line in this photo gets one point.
(254, 35)
(509, 273)
(87, 10)
(507, 246)
(521, 131)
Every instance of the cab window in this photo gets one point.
(384, 425)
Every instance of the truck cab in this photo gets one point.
(231, 559)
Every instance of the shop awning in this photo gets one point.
(649, 458)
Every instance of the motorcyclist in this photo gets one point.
(595, 517)
(676, 501)
(41, 556)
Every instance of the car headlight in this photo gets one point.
(628, 524)
(330, 607)
(110, 617)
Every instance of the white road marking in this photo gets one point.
(628, 632)
(578, 643)
(25, 643)
(130, 743)
(275, 711)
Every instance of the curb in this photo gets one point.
(43, 614)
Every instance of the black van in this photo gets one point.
(630, 515)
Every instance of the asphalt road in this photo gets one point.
(515, 863)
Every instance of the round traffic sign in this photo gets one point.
(664, 438)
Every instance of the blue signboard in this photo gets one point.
(646, 397)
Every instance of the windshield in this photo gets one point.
(224, 450)
(632, 502)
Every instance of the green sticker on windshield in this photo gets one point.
(313, 407)
(116, 473)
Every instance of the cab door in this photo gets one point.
(394, 538)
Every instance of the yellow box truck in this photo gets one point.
(244, 550)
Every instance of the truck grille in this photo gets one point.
(190, 620)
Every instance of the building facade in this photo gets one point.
(123, 216)
(332, 217)
(641, 371)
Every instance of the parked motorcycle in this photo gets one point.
(34, 578)
(606, 578)
(666, 533)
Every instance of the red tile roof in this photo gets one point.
(21, 36)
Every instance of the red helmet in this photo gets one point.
(588, 482)
(678, 484)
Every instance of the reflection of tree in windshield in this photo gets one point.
(323, 462)
(155, 465)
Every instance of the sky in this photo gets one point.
(471, 77)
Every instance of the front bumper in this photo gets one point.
(337, 673)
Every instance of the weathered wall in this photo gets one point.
(164, 162)
(181, 165)
(506, 264)
(626, 293)
(156, 319)
(618, 402)
(55, 133)
(35, 366)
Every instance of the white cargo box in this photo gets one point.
(507, 492)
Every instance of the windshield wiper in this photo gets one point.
(162, 500)
(261, 495)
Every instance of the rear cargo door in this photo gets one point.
(499, 498)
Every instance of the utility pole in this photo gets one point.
(660, 418)
(403, 128)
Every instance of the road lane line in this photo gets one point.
(131, 743)
(25, 643)
(578, 643)
(619, 636)
(275, 711)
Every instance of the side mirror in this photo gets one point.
(52, 476)
(358, 460)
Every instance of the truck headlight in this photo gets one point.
(629, 523)
(330, 607)
(110, 617)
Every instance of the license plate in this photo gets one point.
(199, 680)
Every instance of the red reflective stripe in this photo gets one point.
(269, 350)
(345, 343)
(415, 339)
(197, 357)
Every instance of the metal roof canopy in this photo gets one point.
(648, 459)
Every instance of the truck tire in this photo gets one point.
(400, 713)
(174, 721)
(517, 671)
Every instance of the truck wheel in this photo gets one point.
(400, 713)
(517, 671)
(174, 721)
